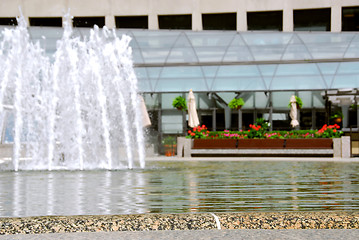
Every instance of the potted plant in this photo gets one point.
(170, 145)
(180, 103)
(236, 103)
(298, 101)
(337, 117)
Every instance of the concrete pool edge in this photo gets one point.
(6, 163)
(254, 159)
(181, 221)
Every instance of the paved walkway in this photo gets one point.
(201, 234)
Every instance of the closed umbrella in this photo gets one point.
(293, 112)
(146, 122)
(192, 111)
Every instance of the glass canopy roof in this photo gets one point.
(220, 61)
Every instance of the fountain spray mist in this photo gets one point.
(78, 110)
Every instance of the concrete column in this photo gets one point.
(314, 119)
(242, 20)
(240, 120)
(345, 111)
(255, 115)
(336, 19)
(196, 17)
(214, 123)
(288, 21)
(110, 21)
(184, 122)
(227, 117)
(159, 121)
(152, 22)
(346, 147)
(270, 113)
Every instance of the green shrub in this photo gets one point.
(236, 103)
(180, 103)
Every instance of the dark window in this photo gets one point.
(89, 21)
(219, 21)
(46, 22)
(8, 21)
(265, 20)
(175, 21)
(312, 20)
(132, 22)
(350, 19)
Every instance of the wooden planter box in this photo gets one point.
(317, 143)
(260, 143)
(215, 144)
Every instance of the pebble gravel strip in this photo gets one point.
(193, 221)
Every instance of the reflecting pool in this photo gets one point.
(178, 187)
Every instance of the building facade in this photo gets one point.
(197, 15)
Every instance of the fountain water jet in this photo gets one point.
(77, 111)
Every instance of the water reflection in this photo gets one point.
(170, 187)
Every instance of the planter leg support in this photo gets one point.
(337, 147)
(346, 148)
(184, 146)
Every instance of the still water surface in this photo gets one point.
(178, 187)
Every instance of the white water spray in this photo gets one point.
(76, 112)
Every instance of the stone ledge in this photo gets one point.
(193, 221)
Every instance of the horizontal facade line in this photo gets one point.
(200, 64)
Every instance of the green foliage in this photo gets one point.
(299, 102)
(258, 129)
(291, 134)
(180, 103)
(169, 140)
(236, 103)
(337, 114)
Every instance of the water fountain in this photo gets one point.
(74, 111)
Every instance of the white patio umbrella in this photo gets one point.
(293, 112)
(192, 111)
(146, 122)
